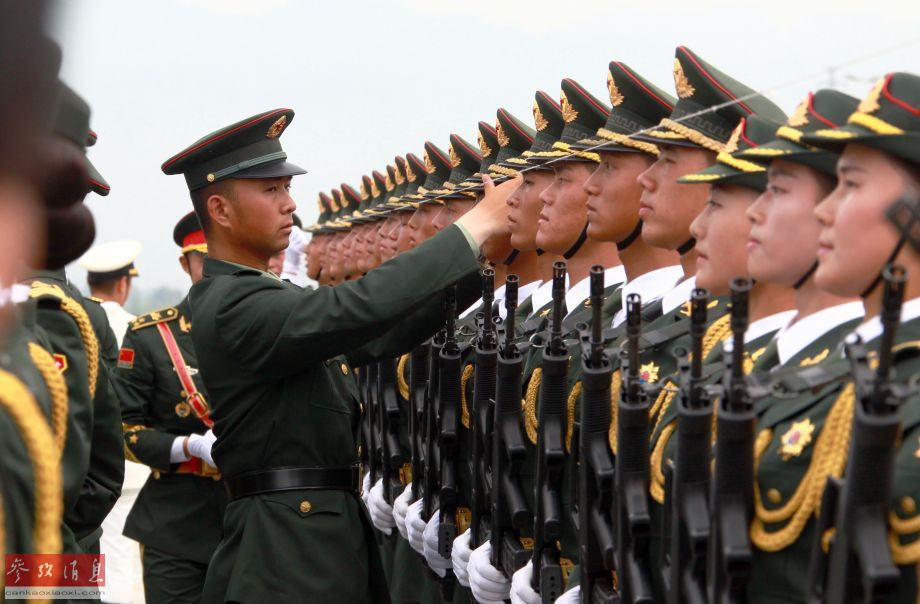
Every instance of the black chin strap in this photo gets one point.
(806, 276)
(631, 238)
(687, 245)
(578, 243)
(540, 252)
(511, 257)
(881, 275)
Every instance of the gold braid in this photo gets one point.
(46, 466)
(57, 387)
(464, 406)
(903, 553)
(828, 459)
(78, 314)
(616, 382)
(530, 405)
(401, 380)
(718, 331)
(574, 395)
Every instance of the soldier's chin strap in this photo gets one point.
(686, 246)
(540, 252)
(881, 274)
(631, 238)
(578, 243)
(511, 257)
(806, 276)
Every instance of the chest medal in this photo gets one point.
(796, 438)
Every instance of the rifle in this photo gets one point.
(547, 572)
(730, 555)
(448, 427)
(364, 451)
(688, 512)
(481, 414)
(418, 380)
(509, 517)
(373, 419)
(633, 527)
(596, 475)
(859, 567)
(392, 457)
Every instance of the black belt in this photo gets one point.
(294, 478)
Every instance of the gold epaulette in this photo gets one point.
(152, 318)
(95, 299)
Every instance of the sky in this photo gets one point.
(372, 79)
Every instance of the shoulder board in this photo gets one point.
(158, 316)
(48, 291)
(95, 299)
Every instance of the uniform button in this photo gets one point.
(305, 506)
(156, 474)
(774, 496)
(344, 369)
(908, 505)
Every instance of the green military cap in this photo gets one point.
(363, 198)
(515, 138)
(400, 177)
(549, 123)
(71, 122)
(709, 106)
(354, 201)
(888, 119)
(488, 147)
(415, 168)
(322, 203)
(437, 169)
(819, 111)
(339, 221)
(750, 132)
(465, 160)
(250, 148)
(381, 188)
(189, 235)
(583, 114)
(637, 105)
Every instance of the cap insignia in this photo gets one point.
(483, 147)
(503, 139)
(410, 174)
(732, 145)
(429, 165)
(343, 201)
(799, 117)
(334, 204)
(364, 194)
(277, 127)
(616, 97)
(400, 179)
(539, 121)
(870, 104)
(454, 158)
(681, 83)
(375, 192)
(569, 114)
(388, 182)
(319, 204)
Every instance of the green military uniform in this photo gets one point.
(178, 514)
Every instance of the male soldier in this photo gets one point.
(316, 248)
(285, 404)
(179, 511)
(110, 269)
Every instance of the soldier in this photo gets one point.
(299, 495)
(179, 512)
(109, 271)
(316, 248)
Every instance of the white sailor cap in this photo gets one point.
(111, 260)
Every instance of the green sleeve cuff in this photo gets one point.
(469, 239)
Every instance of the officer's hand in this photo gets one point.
(488, 584)
(415, 527)
(460, 557)
(573, 596)
(366, 490)
(400, 508)
(199, 445)
(521, 591)
(489, 217)
(381, 512)
(438, 563)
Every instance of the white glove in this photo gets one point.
(199, 445)
(460, 557)
(488, 584)
(438, 563)
(400, 508)
(293, 255)
(573, 596)
(381, 512)
(415, 527)
(366, 489)
(521, 591)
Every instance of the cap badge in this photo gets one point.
(334, 204)
(364, 195)
(870, 104)
(483, 147)
(429, 165)
(799, 117)
(375, 192)
(277, 127)
(616, 97)
(388, 182)
(732, 145)
(454, 158)
(569, 114)
(503, 139)
(539, 121)
(681, 83)
(400, 179)
(410, 174)
(319, 205)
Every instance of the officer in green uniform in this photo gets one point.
(284, 402)
(178, 515)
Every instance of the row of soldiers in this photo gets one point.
(689, 376)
